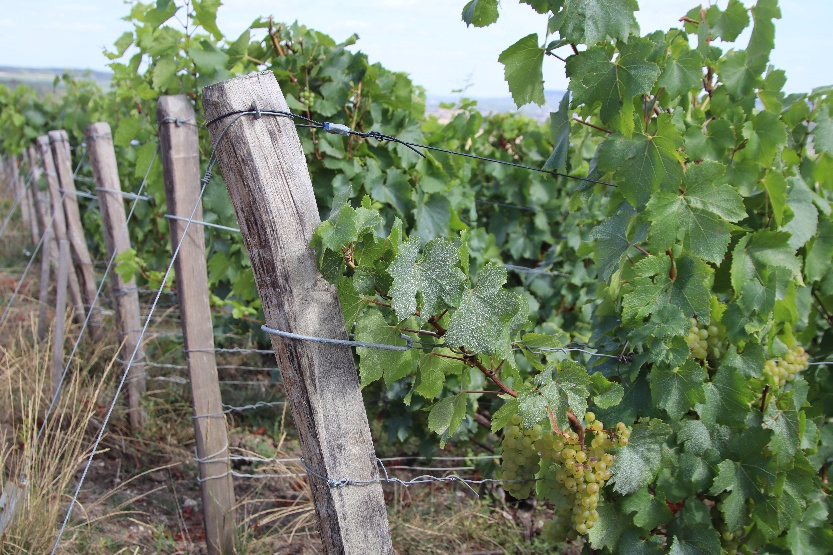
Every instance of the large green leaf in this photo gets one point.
(523, 70)
(481, 13)
(637, 463)
(757, 252)
(644, 163)
(434, 274)
(596, 78)
(678, 389)
(697, 215)
(488, 315)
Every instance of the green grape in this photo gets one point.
(781, 371)
(705, 342)
(521, 459)
(576, 476)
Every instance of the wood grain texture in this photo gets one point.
(62, 156)
(266, 174)
(59, 224)
(117, 239)
(64, 269)
(179, 149)
(49, 255)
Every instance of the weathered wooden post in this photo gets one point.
(267, 178)
(49, 254)
(62, 156)
(179, 149)
(21, 195)
(59, 226)
(117, 238)
(64, 270)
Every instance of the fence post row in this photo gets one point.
(58, 219)
(267, 178)
(181, 165)
(117, 239)
(62, 156)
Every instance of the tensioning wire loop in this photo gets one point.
(100, 435)
(339, 129)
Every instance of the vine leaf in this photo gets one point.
(644, 163)
(649, 511)
(608, 529)
(614, 236)
(654, 288)
(681, 73)
(206, 12)
(637, 463)
(609, 18)
(727, 397)
(487, 316)
(560, 133)
(823, 131)
(523, 70)
(729, 23)
(678, 389)
(758, 252)
(434, 274)
(698, 215)
(594, 77)
(743, 474)
(447, 415)
(812, 535)
(481, 13)
(432, 372)
(374, 364)
(805, 222)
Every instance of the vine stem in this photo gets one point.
(823, 308)
(588, 124)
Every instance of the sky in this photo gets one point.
(425, 38)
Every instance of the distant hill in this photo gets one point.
(42, 80)
(497, 105)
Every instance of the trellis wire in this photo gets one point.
(338, 129)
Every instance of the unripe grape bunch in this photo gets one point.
(706, 341)
(573, 473)
(784, 370)
(307, 98)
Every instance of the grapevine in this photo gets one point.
(697, 286)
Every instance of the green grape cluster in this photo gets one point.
(706, 341)
(521, 460)
(577, 474)
(307, 98)
(731, 541)
(784, 370)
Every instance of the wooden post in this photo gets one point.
(60, 315)
(179, 149)
(59, 226)
(59, 141)
(117, 238)
(31, 200)
(267, 178)
(49, 250)
(21, 194)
